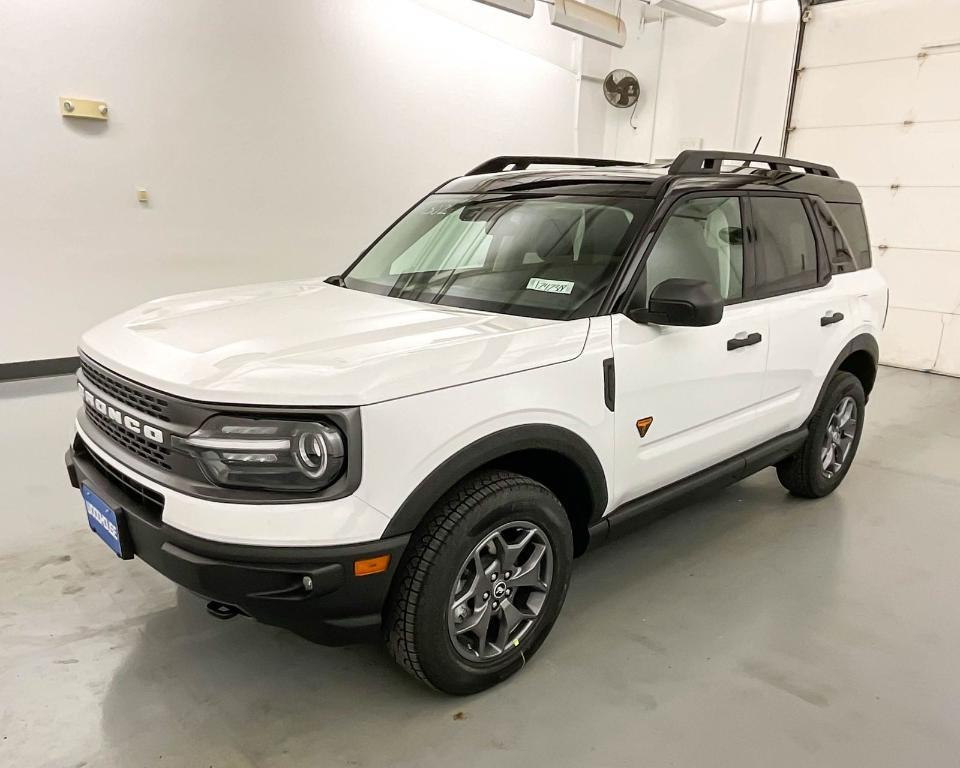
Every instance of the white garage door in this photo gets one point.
(878, 96)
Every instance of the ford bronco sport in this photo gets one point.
(529, 362)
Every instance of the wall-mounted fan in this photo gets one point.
(621, 88)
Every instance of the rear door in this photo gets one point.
(810, 315)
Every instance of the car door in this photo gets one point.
(700, 386)
(810, 315)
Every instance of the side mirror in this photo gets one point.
(679, 301)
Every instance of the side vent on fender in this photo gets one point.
(609, 384)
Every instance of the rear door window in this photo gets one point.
(786, 247)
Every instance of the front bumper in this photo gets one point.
(263, 582)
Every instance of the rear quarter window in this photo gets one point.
(854, 254)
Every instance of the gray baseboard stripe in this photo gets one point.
(33, 369)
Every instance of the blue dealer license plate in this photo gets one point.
(103, 520)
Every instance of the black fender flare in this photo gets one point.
(865, 342)
(545, 437)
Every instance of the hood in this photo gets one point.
(310, 343)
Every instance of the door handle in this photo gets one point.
(831, 317)
(745, 341)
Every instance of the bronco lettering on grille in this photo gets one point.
(119, 417)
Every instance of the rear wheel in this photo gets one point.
(482, 583)
(834, 434)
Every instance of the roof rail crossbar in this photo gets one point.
(522, 162)
(692, 161)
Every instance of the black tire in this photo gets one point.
(416, 615)
(803, 473)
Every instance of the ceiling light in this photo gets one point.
(679, 8)
(588, 21)
(519, 7)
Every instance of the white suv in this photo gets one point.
(526, 364)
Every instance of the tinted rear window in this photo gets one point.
(849, 216)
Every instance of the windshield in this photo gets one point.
(549, 257)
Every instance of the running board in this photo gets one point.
(644, 510)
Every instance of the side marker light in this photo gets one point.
(371, 565)
(643, 425)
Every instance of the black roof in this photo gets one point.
(691, 170)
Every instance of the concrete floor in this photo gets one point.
(750, 629)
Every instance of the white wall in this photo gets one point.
(883, 108)
(275, 139)
(711, 87)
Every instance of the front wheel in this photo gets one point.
(834, 434)
(482, 584)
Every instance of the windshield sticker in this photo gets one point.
(549, 286)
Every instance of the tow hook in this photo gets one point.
(221, 611)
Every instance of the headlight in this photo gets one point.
(269, 454)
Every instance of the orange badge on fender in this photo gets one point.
(643, 425)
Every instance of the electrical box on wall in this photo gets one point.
(90, 109)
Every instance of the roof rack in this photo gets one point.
(522, 162)
(704, 161)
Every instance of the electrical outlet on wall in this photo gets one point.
(88, 109)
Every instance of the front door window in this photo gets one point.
(702, 240)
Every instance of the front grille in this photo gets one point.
(151, 500)
(136, 398)
(176, 417)
(156, 454)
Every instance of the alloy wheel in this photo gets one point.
(500, 591)
(840, 433)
